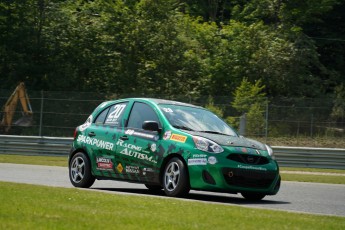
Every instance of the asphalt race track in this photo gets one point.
(315, 198)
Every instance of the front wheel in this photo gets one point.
(175, 178)
(253, 196)
(80, 171)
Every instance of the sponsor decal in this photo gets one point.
(133, 151)
(212, 160)
(153, 147)
(119, 168)
(132, 169)
(140, 156)
(199, 155)
(147, 170)
(129, 132)
(178, 138)
(95, 142)
(115, 114)
(251, 167)
(86, 124)
(104, 163)
(167, 110)
(127, 145)
(167, 135)
(197, 161)
(132, 132)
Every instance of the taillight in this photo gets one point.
(75, 133)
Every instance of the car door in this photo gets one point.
(107, 125)
(136, 148)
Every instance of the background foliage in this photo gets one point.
(194, 48)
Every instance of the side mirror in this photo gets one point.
(151, 126)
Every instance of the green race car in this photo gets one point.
(172, 146)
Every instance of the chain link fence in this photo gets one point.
(58, 113)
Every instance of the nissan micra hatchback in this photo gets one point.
(172, 146)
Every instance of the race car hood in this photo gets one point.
(236, 141)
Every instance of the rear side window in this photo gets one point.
(112, 115)
(101, 117)
(141, 112)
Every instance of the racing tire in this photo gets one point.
(80, 171)
(175, 178)
(153, 187)
(253, 196)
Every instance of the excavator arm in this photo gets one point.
(19, 94)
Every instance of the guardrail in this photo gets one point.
(35, 145)
(310, 157)
(286, 156)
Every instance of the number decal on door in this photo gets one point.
(115, 114)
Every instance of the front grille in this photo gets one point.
(248, 159)
(248, 178)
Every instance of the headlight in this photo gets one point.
(270, 151)
(207, 145)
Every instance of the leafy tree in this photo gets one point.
(173, 47)
(213, 108)
(22, 53)
(338, 112)
(250, 100)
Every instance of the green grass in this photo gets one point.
(313, 170)
(62, 161)
(35, 160)
(40, 207)
(317, 141)
(314, 178)
(300, 177)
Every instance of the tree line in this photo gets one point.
(175, 47)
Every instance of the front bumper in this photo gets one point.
(232, 176)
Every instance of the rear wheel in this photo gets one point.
(175, 178)
(253, 196)
(80, 171)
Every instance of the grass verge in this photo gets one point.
(35, 160)
(317, 142)
(62, 161)
(40, 207)
(314, 178)
(321, 175)
(318, 170)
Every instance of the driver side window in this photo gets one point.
(141, 112)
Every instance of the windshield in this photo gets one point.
(195, 119)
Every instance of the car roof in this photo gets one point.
(162, 101)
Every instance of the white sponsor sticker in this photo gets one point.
(167, 135)
(212, 160)
(197, 161)
(153, 147)
(167, 110)
(251, 167)
(86, 124)
(95, 142)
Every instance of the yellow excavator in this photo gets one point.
(9, 109)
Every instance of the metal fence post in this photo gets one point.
(41, 114)
(243, 121)
(311, 125)
(266, 125)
